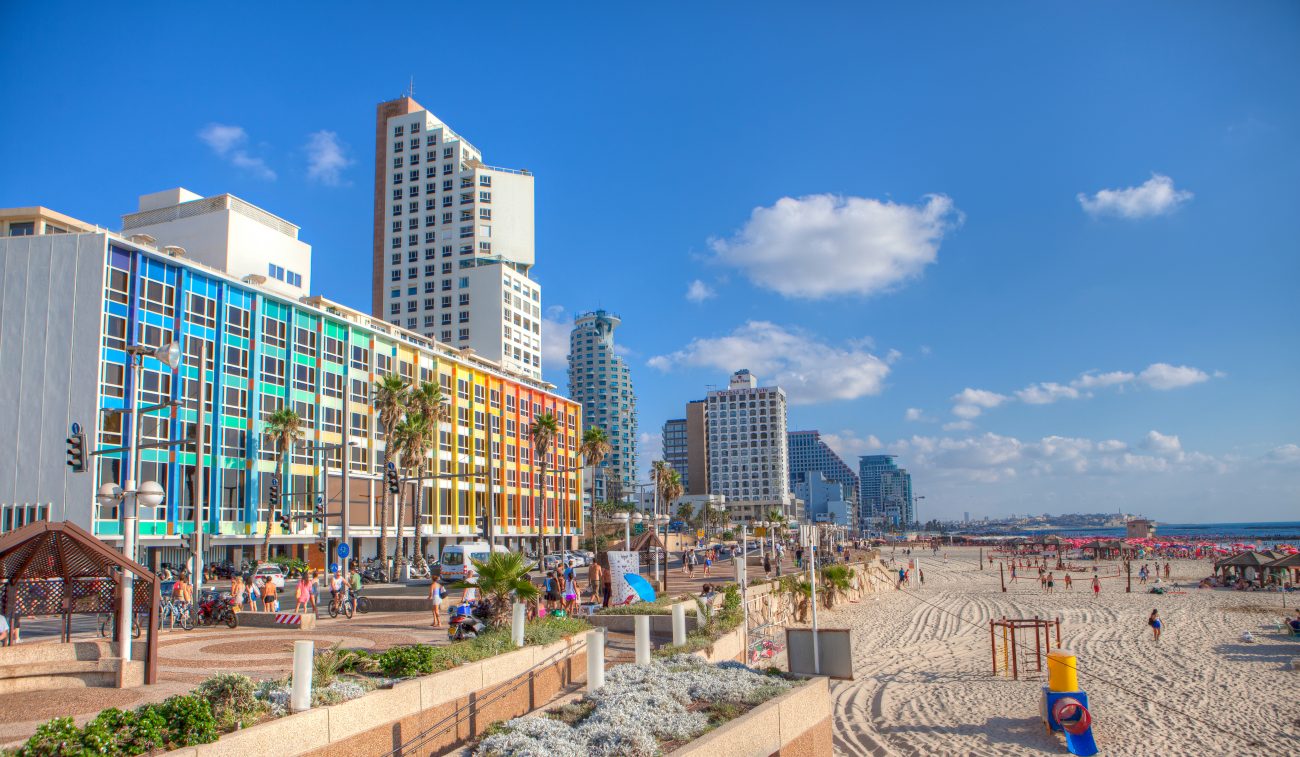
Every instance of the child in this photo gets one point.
(1154, 622)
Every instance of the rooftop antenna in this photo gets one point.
(410, 91)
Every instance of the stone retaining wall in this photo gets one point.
(460, 703)
(796, 723)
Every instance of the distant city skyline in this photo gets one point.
(1050, 265)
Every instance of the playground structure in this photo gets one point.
(1065, 706)
(1015, 644)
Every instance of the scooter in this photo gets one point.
(467, 621)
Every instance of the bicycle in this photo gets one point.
(174, 611)
(344, 603)
(108, 624)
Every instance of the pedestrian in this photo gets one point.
(337, 586)
(255, 594)
(1051, 583)
(301, 596)
(902, 576)
(921, 575)
(1067, 582)
(1013, 572)
(269, 595)
(798, 558)
(708, 562)
(571, 594)
(1154, 622)
(1096, 586)
(767, 566)
(313, 592)
(435, 602)
(1166, 571)
(354, 583)
(595, 581)
(237, 590)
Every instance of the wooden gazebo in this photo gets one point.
(1239, 563)
(58, 568)
(1285, 568)
(642, 543)
(1107, 548)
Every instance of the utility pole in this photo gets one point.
(346, 456)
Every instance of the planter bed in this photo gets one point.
(642, 710)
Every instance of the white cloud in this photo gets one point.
(969, 403)
(849, 445)
(1160, 376)
(1156, 196)
(1286, 454)
(958, 426)
(227, 141)
(223, 138)
(1164, 444)
(326, 158)
(1164, 376)
(914, 414)
(698, 291)
(809, 370)
(1046, 393)
(823, 245)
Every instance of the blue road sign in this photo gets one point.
(76, 428)
(392, 465)
(334, 567)
(344, 551)
(320, 500)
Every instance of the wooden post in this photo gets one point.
(1128, 568)
(1015, 668)
(1058, 632)
(1002, 574)
(981, 558)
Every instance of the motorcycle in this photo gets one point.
(467, 621)
(374, 575)
(217, 608)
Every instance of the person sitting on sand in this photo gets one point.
(1295, 622)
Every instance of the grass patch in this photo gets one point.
(419, 659)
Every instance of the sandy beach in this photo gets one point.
(925, 685)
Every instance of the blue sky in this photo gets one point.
(1085, 214)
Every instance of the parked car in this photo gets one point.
(272, 572)
(561, 559)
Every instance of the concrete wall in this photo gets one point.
(512, 215)
(456, 704)
(50, 313)
(796, 723)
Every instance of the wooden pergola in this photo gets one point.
(58, 568)
(1288, 566)
(1238, 564)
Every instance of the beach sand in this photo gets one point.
(925, 684)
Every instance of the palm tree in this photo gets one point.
(501, 579)
(542, 435)
(411, 439)
(284, 427)
(388, 397)
(594, 448)
(672, 490)
(427, 400)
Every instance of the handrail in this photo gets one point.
(452, 719)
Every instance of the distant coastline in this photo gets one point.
(1256, 531)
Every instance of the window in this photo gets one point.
(332, 385)
(464, 334)
(464, 283)
(485, 197)
(485, 214)
(485, 180)
(273, 332)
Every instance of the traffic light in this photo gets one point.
(286, 522)
(275, 491)
(320, 545)
(394, 487)
(77, 453)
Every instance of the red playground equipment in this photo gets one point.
(1010, 640)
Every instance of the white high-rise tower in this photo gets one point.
(453, 241)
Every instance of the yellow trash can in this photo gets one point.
(1062, 671)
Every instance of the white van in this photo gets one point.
(456, 558)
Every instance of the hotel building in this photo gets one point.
(886, 491)
(601, 380)
(809, 455)
(748, 457)
(71, 304)
(453, 241)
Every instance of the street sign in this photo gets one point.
(392, 465)
(344, 551)
(76, 428)
(699, 533)
(760, 531)
(334, 567)
(319, 499)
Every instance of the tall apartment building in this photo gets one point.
(886, 491)
(748, 456)
(89, 296)
(696, 478)
(809, 454)
(226, 233)
(677, 449)
(453, 241)
(826, 501)
(601, 381)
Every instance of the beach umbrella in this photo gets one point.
(641, 587)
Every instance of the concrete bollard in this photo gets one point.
(517, 620)
(679, 624)
(595, 659)
(300, 696)
(641, 624)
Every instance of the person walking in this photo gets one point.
(268, 595)
(435, 602)
(237, 591)
(689, 559)
(1067, 582)
(313, 592)
(301, 596)
(798, 558)
(902, 577)
(255, 594)
(1156, 625)
(594, 581)
(1051, 583)
(1013, 572)
(1096, 586)
(767, 566)
(708, 562)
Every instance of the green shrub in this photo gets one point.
(58, 737)
(233, 699)
(148, 730)
(403, 662)
(189, 721)
(111, 733)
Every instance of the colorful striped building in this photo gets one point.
(87, 296)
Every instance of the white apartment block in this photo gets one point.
(228, 234)
(748, 455)
(453, 241)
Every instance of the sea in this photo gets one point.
(1275, 531)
